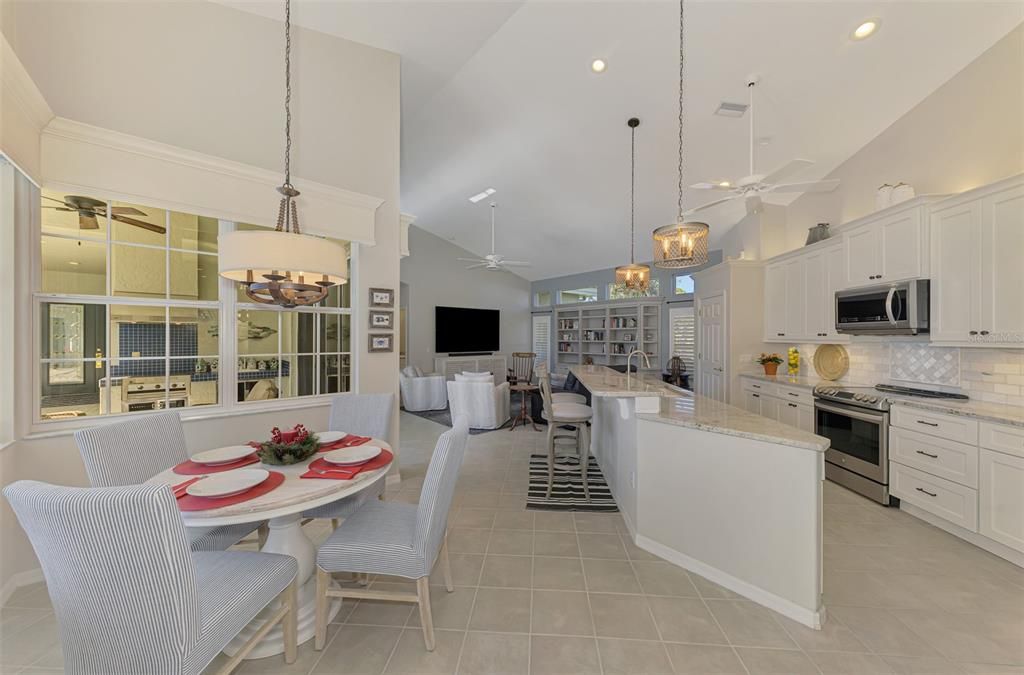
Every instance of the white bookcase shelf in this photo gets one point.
(606, 332)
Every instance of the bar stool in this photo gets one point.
(574, 414)
(561, 396)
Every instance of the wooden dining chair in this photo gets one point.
(133, 451)
(362, 415)
(398, 539)
(129, 595)
(521, 371)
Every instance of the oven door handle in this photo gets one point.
(876, 418)
(888, 305)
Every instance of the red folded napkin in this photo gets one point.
(190, 468)
(321, 468)
(349, 441)
(179, 490)
(189, 503)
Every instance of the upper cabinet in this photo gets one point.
(892, 246)
(800, 295)
(977, 273)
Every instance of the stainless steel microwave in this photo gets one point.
(892, 309)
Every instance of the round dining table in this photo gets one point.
(282, 507)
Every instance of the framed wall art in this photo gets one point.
(382, 342)
(382, 297)
(381, 320)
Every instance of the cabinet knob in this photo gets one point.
(781, 334)
(984, 332)
(973, 332)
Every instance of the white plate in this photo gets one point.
(357, 455)
(228, 483)
(226, 455)
(328, 437)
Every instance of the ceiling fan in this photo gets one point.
(751, 187)
(88, 209)
(493, 262)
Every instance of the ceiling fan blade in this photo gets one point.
(815, 186)
(472, 260)
(754, 205)
(711, 186)
(477, 266)
(516, 263)
(710, 204)
(788, 169)
(126, 211)
(159, 229)
(87, 221)
(54, 199)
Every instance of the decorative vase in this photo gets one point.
(883, 196)
(901, 192)
(819, 232)
(770, 368)
(793, 361)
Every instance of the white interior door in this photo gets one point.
(711, 347)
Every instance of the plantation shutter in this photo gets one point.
(681, 328)
(541, 338)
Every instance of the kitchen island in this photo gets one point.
(729, 495)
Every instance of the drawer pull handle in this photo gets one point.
(931, 424)
(927, 454)
(792, 394)
(756, 395)
(792, 405)
(756, 386)
(930, 494)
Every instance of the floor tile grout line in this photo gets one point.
(590, 608)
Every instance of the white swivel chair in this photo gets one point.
(484, 404)
(422, 392)
(129, 595)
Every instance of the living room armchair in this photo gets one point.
(484, 403)
(422, 392)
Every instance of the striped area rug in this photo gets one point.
(567, 494)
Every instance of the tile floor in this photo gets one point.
(561, 594)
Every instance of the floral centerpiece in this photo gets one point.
(288, 447)
(770, 362)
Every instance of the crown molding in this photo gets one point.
(17, 83)
(111, 164)
(24, 114)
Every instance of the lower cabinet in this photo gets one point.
(789, 405)
(954, 502)
(1002, 498)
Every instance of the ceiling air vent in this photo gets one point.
(728, 109)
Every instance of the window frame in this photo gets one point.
(227, 307)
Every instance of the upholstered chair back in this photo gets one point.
(438, 488)
(119, 573)
(133, 451)
(363, 414)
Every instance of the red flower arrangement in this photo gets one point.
(288, 447)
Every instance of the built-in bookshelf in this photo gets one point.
(607, 332)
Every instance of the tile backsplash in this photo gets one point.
(991, 375)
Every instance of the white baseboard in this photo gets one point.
(26, 578)
(979, 540)
(812, 618)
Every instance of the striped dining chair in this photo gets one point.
(133, 451)
(399, 539)
(129, 595)
(362, 415)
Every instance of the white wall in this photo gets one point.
(435, 277)
(968, 132)
(207, 78)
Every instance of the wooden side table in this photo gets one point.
(524, 405)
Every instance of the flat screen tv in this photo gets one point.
(462, 329)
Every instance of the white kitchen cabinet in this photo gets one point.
(795, 415)
(775, 302)
(752, 402)
(888, 246)
(835, 276)
(815, 295)
(790, 405)
(1001, 507)
(977, 278)
(796, 287)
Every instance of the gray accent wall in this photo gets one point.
(434, 276)
(601, 278)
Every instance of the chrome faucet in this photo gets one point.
(647, 361)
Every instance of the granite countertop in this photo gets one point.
(981, 410)
(602, 381)
(698, 412)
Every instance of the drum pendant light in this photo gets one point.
(283, 266)
(632, 276)
(682, 243)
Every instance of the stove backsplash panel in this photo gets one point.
(990, 375)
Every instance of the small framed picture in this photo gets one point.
(381, 320)
(382, 297)
(382, 342)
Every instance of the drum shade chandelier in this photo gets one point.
(682, 243)
(634, 277)
(283, 266)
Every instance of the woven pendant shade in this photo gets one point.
(680, 245)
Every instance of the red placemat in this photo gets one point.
(190, 468)
(190, 503)
(347, 472)
(349, 441)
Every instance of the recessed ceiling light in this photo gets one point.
(866, 29)
(480, 196)
(724, 183)
(598, 65)
(73, 262)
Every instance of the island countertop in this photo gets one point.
(603, 381)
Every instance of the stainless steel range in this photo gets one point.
(856, 421)
(148, 393)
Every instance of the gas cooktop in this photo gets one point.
(875, 398)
